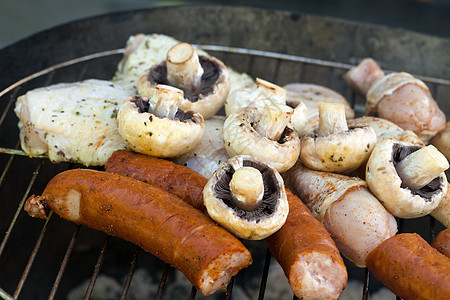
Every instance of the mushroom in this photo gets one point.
(408, 179)
(308, 96)
(247, 196)
(204, 79)
(157, 126)
(261, 91)
(355, 219)
(263, 132)
(250, 96)
(336, 147)
(442, 141)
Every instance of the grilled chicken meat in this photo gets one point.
(72, 121)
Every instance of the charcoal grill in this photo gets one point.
(40, 260)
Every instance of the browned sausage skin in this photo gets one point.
(411, 268)
(157, 221)
(442, 242)
(175, 179)
(308, 255)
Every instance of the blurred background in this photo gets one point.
(22, 18)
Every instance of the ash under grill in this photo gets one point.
(43, 259)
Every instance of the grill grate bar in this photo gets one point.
(64, 263)
(162, 282)
(19, 209)
(7, 166)
(229, 289)
(5, 295)
(8, 106)
(365, 295)
(193, 293)
(126, 286)
(97, 267)
(311, 61)
(32, 257)
(265, 275)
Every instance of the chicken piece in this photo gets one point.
(211, 153)
(356, 220)
(398, 97)
(72, 121)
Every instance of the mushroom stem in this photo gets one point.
(166, 100)
(247, 187)
(274, 93)
(420, 167)
(331, 118)
(183, 67)
(272, 119)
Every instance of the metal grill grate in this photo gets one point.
(20, 175)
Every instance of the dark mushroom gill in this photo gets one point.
(211, 72)
(144, 107)
(271, 193)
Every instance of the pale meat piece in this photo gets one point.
(72, 121)
(356, 220)
(398, 97)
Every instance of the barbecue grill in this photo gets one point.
(45, 259)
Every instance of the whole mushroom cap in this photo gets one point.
(385, 183)
(162, 137)
(242, 139)
(207, 99)
(338, 152)
(255, 224)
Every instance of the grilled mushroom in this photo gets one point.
(336, 148)
(306, 96)
(261, 91)
(263, 132)
(157, 126)
(247, 197)
(250, 96)
(204, 79)
(408, 179)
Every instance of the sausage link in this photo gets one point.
(151, 218)
(308, 255)
(442, 242)
(175, 179)
(411, 268)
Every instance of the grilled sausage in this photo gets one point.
(442, 242)
(308, 255)
(175, 179)
(149, 217)
(411, 268)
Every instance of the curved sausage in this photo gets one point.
(175, 179)
(411, 268)
(149, 217)
(308, 255)
(442, 242)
